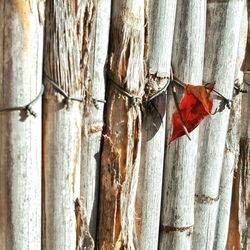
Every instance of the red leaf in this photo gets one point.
(194, 107)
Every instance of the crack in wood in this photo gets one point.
(83, 237)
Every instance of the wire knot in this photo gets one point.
(69, 99)
(135, 100)
(30, 110)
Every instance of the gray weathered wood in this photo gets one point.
(66, 52)
(160, 37)
(223, 23)
(238, 236)
(231, 152)
(21, 43)
(93, 119)
(160, 13)
(177, 213)
(122, 141)
(229, 163)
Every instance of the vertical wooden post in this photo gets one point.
(21, 43)
(160, 29)
(231, 152)
(93, 118)
(66, 52)
(223, 24)
(122, 140)
(238, 235)
(177, 214)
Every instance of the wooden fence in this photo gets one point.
(85, 159)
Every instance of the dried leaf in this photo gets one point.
(195, 105)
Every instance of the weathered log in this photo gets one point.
(223, 24)
(122, 139)
(159, 46)
(21, 44)
(177, 214)
(238, 230)
(231, 152)
(66, 52)
(93, 118)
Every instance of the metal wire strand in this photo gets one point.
(27, 107)
(176, 80)
(160, 91)
(72, 98)
(136, 100)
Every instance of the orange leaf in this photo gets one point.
(202, 93)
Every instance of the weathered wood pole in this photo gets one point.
(231, 152)
(160, 29)
(93, 118)
(122, 139)
(238, 231)
(21, 44)
(177, 212)
(223, 25)
(66, 52)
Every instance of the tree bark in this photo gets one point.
(122, 139)
(93, 118)
(180, 163)
(159, 46)
(231, 152)
(67, 45)
(223, 25)
(21, 43)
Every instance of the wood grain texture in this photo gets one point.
(177, 212)
(238, 235)
(223, 24)
(21, 43)
(122, 139)
(231, 153)
(151, 169)
(163, 12)
(93, 119)
(66, 54)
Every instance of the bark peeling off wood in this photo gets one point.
(223, 24)
(93, 121)
(68, 27)
(233, 241)
(123, 123)
(83, 237)
(21, 43)
(67, 43)
(238, 230)
(111, 185)
(126, 52)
